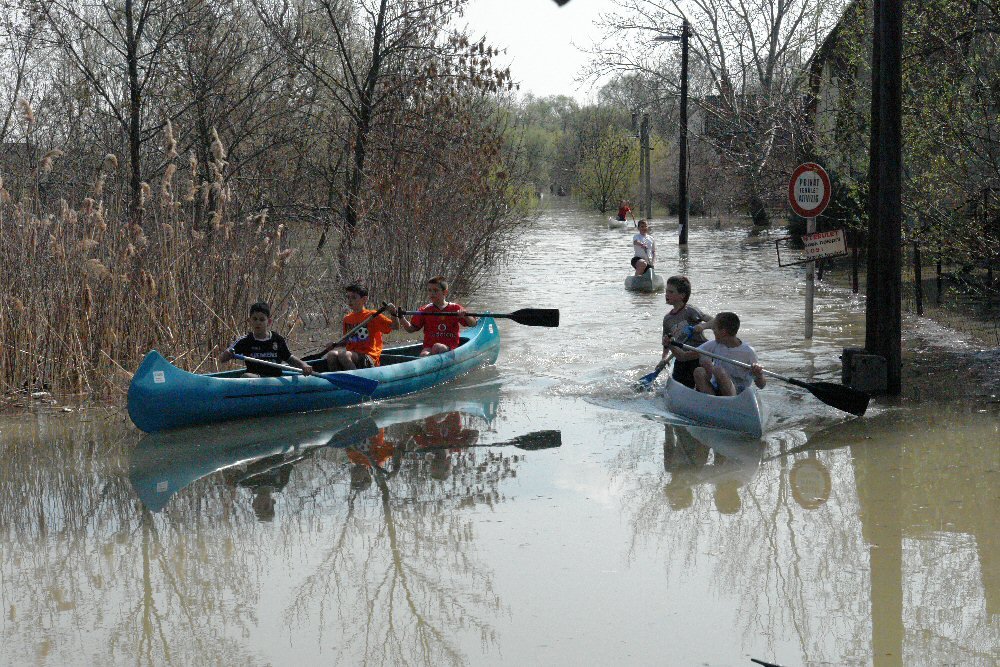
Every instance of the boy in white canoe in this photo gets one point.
(721, 378)
(643, 249)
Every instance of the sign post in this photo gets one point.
(809, 195)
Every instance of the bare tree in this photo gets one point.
(18, 33)
(222, 76)
(370, 55)
(746, 75)
(118, 47)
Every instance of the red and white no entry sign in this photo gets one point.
(809, 190)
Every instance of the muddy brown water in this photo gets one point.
(536, 512)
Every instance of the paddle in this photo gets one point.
(528, 442)
(532, 317)
(646, 381)
(352, 383)
(381, 309)
(834, 395)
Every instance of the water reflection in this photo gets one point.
(259, 455)
(370, 502)
(700, 456)
(885, 533)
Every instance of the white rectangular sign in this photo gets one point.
(824, 244)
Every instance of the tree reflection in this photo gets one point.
(387, 571)
(826, 543)
(81, 559)
(405, 549)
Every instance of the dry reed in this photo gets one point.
(85, 294)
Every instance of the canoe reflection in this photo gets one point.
(260, 454)
(697, 456)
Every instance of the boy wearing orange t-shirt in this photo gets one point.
(364, 348)
(441, 333)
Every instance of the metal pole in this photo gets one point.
(682, 197)
(810, 283)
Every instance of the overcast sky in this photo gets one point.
(537, 35)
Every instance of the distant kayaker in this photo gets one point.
(675, 323)
(264, 344)
(441, 333)
(643, 249)
(623, 210)
(364, 347)
(719, 377)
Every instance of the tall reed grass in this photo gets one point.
(89, 284)
(87, 289)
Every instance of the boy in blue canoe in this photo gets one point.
(262, 343)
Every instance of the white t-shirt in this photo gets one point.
(644, 247)
(742, 377)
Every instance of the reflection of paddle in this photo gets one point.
(532, 317)
(528, 441)
(834, 395)
(353, 383)
(361, 430)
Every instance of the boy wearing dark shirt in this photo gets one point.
(264, 344)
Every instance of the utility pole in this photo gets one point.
(682, 171)
(637, 129)
(647, 190)
(883, 317)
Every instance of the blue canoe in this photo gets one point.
(162, 396)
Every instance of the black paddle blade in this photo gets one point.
(354, 435)
(537, 440)
(838, 396)
(535, 317)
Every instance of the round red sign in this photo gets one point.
(809, 190)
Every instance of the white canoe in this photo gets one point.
(650, 281)
(743, 413)
(615, 223)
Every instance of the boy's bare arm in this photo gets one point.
(404, 323)
(306, 368)
(468, 320)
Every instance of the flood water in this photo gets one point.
(539, 512)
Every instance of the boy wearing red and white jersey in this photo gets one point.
(441, 333)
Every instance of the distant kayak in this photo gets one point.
(743, 413)
(615, 223)
(650, 281)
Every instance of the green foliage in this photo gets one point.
(951, 120)
(608, 168)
